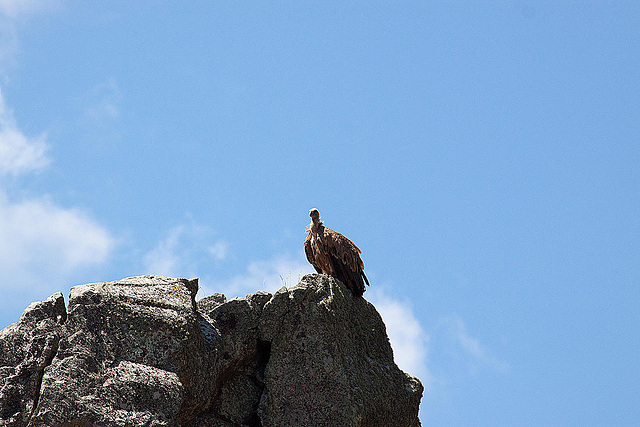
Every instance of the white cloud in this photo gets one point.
(104, 103)
(191, 250)
(42, 245)
(265, 275)
(408, 338)
(100, 114)
(164, 258)
(35, 234)
(184, 250)
(476, 353)
(41, 241)
(18, 153)
(219, 250)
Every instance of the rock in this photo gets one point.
(141, 352)
(131, 354)
(241, 357)
(26, 348)
(331, 362)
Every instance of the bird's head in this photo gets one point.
(314, 214)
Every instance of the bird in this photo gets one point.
(332, 253)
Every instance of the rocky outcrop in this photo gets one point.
(142, 352)
(26, 349)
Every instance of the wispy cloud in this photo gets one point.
(409, 340)
(218, 250)
(474, 352)
(99, 119)
(164, 258)
(41, 242)
(11, 13)
(193, 250)
(103, 103)
(266, 275)
(184, 251)
(37, 236)
(18, 153)
(14, 8)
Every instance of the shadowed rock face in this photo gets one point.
(142, 352)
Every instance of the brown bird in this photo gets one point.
(331, 253)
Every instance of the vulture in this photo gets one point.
(331, 253)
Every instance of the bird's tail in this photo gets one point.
(365, 279)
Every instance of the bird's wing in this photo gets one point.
(308, 250)
(343, 249)
(345, 260)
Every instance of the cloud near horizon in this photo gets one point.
(409, 340)
(266, 275)
(37, 237)
(41, 243)
(184, 251)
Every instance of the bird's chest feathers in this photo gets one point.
(320, 253)
(318, 241)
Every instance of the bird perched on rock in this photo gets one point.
(332, 253)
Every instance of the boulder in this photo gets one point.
(331, 362)
(130, 355)
(142, 352)
(26, 348)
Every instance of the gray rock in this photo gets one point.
(141, 352)
(131, 355)
(239, 359)
(26, 348)
(331, 363)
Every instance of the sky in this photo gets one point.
(483, 155)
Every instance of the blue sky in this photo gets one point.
(483, 155)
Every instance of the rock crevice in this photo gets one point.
(142, 352)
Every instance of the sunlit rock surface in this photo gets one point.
(142, 352)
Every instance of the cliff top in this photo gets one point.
(142, 351)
